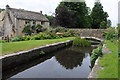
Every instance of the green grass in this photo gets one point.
(109, 62)
(13, 47)
(119, 60)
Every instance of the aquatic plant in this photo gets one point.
(42, 52)
(81, 42)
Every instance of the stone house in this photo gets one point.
(13, 21)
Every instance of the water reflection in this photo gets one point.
(69, 62)
(72, 57)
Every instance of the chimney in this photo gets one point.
(7, 6)
(41, 12)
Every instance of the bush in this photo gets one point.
(18, 38)
(60, 29)
(95, 54)
(39, 36)
(66, 35)
(110, 35)
(26, 38)
(3, 41)
(42, 36)
(38, 28)
(27, 29)
(73, 33)
(54, 36)
(81, 42)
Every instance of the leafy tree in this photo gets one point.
(118, 28)
(73, 14)
(98, 15)
(64, 16)
(109, 23)
(1, 10)
(51, 20)
(103, 25)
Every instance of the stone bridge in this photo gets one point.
(91, 33)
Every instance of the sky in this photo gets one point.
(49, 6)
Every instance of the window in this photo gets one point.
(34, 22)
(27, 22)
(42, 23)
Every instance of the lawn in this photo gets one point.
(12, 47)
(109, 62)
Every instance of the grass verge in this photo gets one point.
(12, 47)
(109, 62)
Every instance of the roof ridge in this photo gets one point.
(26, 14)
(26, 10)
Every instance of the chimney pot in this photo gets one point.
(41, 12)
(7, 6)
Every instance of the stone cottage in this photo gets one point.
(13, 21)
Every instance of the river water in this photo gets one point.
(71, 62)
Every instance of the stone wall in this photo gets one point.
(91, 32)
(12, 60)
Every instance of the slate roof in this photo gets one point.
(27, 15)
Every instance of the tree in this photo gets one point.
(118, 28)
(51, 20)
(98, 15)
(1, 10)
(109, 23)
(103, 25)
(73, 14)
(64, 16)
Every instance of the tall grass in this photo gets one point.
(81, 42)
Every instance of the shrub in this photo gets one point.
(38, 28)
(27, 29)
(26, 38)
(54, 36)
(18, 38)
(2, 41)
(73, 33)
(81, 42)
(95, 54)
(60, 29)
(66, 35)
(110, 35)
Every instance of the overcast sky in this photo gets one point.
(48, 6)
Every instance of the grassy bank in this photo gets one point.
(109, 62)
(12, 47)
